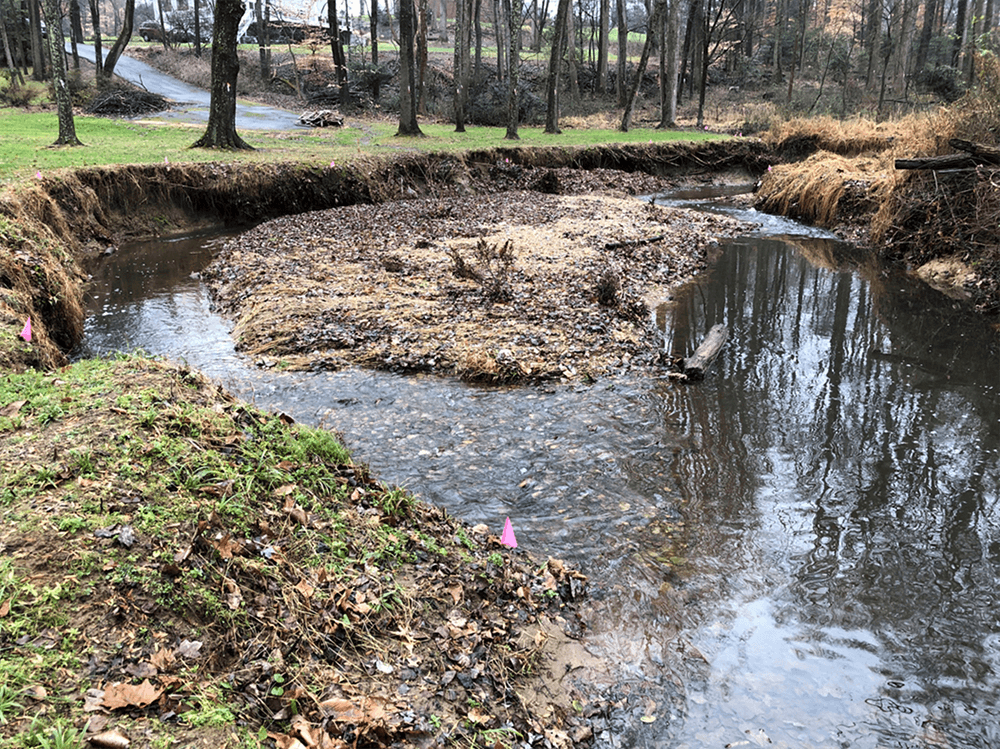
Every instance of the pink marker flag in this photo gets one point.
(507, 539)
(26, 334)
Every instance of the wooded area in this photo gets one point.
(812, 56)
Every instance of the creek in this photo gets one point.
(802, 549)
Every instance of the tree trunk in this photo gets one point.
(197, 28)
(373, 26)
(163, 23)
(463, 21)
(57, 55)
(669, 52)
(75, 31)
(695, 365)
(569, 43)
(926, 32)
(442, 21)
(781, 8)
(407, 83)
(337, 52)
(514, 71)
(651, 25)
(95, 20)
(555, 58)
(421, 54)
(477, 7)
(221, 130)
(119, 46)
(262, 12)
(961, 31)
(501, 28)
(16, 79)
(622, 68)
(35, 24)
(603, 36)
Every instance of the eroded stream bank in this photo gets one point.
(802, 549)
(56, 225)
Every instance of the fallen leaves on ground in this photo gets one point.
(404, 285)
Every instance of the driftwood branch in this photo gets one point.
(974, 155)
(634, 242)
(695, 365)
(982, 152)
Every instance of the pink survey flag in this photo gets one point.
(507, 539)
(26, 333)
(38, 174)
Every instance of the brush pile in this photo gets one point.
(127, 102)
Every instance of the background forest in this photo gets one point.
(876, 58)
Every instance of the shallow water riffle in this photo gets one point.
(804, 548)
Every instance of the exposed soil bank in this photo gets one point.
(51, 226)
(940, 225)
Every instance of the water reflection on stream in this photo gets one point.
(806, 546)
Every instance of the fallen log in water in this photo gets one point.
(695, 365)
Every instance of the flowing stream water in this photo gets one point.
(803, 550)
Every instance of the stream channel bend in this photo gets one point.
(801, 551)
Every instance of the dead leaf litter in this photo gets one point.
(421, 285)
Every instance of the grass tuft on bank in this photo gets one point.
(176, 562)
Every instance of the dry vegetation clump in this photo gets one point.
(849, 138)
(177, 562)
(825, 189)
(376, 285)
(929, 216)
(915, 216)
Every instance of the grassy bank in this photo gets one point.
(28, 137)
(181, 567)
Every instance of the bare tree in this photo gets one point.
(221, 130)
(555, 60)
(337, 52)
(622, 69)
(118, 47)
(651, 25)
(95, 20)
(669, 73)
(462, 61)
(603, 34)
(421, 54)
(514, 13)
(35, 31)
(373, 27)
(57, 54)
(16, 79)
(262, 16)
(407, 84)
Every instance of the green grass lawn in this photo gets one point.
(26, 142)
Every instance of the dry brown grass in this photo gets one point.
(813, 190)
(854, 137)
